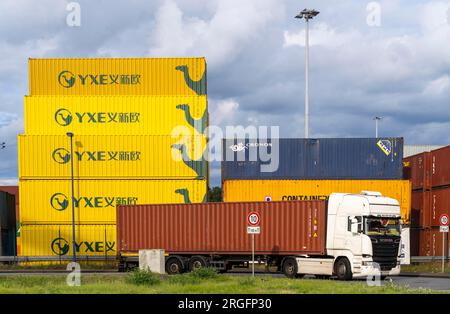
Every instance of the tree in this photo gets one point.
(215, 194)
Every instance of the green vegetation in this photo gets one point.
(431, 267)
(204, 281)
(36, 266)
(215, 194)
(143, 278)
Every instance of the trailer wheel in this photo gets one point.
(290, 267)
(342, 269)
(197, 262)
(174, 266)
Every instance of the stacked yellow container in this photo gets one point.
(138, 138)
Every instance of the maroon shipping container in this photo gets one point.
(421, 209)
(440, 204)
(287, 228)
(417, 169)
(14, 190)
(440, 167)
(431, 242)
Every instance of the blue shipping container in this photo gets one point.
(312, 159)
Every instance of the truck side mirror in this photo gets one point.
(354, 225)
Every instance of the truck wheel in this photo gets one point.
(342, 269)
(197, 262)
(174, 266)
(290, 267)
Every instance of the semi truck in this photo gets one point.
(348, 236)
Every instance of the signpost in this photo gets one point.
(253, 220)
(444, 221)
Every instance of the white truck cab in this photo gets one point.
(363, 238)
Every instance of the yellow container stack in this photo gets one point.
(138, 138)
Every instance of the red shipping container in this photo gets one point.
(440, 204)
(417, 169)
(431, 242)
(287, 228)
(440, 167)
(14, 190)
(421, 209)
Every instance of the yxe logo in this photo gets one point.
(67, 79)
(64, 117)
(59, 201)
(385, 146)
(60, 246)
(61, 156)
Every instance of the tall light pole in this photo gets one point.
(376, 125)
(307, 15)
(74, 254)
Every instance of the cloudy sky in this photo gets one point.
(395, 64)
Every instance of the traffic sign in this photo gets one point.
(253, 230)
(444, 220)
(444, 228)
(253, 219)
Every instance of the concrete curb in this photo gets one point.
(429, 275)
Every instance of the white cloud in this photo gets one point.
(223, 112)
(221, 38)
(438, 86)
(8, 181)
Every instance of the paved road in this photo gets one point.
(441, 284)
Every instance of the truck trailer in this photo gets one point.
(348, 236)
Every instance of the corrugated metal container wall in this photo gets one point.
(221, 228)
(440, 172)
(140, 156)
(417, 169)
(411, 150)
(431, 242)
(56, 240)
(14, 190)
(117, 76)
(95, 200)
(7, 224)
(440, 204)
(421, 208)
(327, 158)
(114, 115)
(302, 190)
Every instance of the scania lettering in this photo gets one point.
(348, 236)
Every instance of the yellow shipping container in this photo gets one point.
(113, 115)
(289, 190)
(117, 76)
(135, 156)
(49, 201)
(56, 240)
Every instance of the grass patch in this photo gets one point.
(430, 267)
(141, 282)
(143, 278)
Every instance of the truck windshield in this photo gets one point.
(382, 226)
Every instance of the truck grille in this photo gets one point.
(385, 252)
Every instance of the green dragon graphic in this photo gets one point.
(199, 87)
(199, 166)
(185, 194)
(198, 124)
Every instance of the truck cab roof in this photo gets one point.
(373, 204)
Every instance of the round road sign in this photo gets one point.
(444, 220)
(253, 219)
